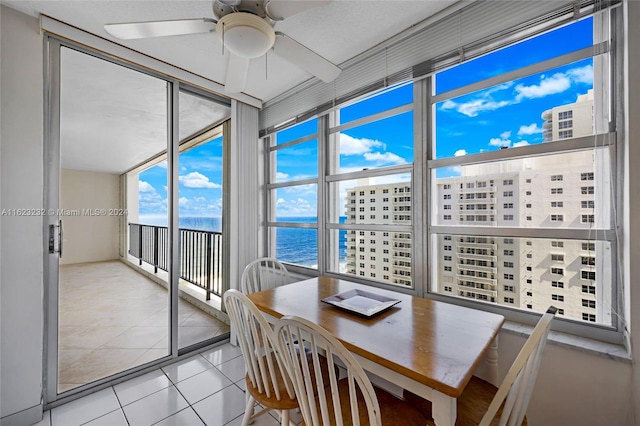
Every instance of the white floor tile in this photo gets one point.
(46, 419)
(263, 420)
(233, 369)
(85, 409)
(155, 407)
(186, 417)
(221, 407)
(114, 418)
(135, 389)
(184, 369)
(200, 386)
(226, 352)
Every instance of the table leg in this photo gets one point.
(444, 409)
(492, 362)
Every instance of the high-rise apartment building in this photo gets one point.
(381, 255)
(570, 120)
(554, 191)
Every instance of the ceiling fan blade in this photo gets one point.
(282, 9)
(133, 30)
(305, 58)
(237, 71)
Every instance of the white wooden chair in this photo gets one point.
(483, 404)
(263, 274)
(266, 380)
(325, 399)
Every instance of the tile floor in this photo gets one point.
(205, 389)
(112, 318)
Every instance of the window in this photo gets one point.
(508, 252)
(586, 176)
(557, 244)
(589, 246)
(591, 289)
(586, 190)
(588, 260)
(588, 303)
(588, 218)
(589, 317)
(558, 297)
(508, 300)
(558, 284)
(530, 294)
(589, 204)
(509, 288)
(557, 257)
(508, 264)
(588, 275)
(458, 181)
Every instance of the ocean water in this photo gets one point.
(293, 245)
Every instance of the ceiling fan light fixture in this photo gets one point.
(245, 34)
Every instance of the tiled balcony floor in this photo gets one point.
(112, 318)
(205, 389)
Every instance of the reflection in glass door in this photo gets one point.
(111, 317)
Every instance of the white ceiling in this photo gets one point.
(338, 31)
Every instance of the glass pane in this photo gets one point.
(383, 143)
(298, 131)
(383, 256)
(374, 200)
(296, 162)
(569, 190)
(528, 273)
(296, 203)
(111, 317)
(558, 42)
(548, 106)
(298, 246)
(383, 100)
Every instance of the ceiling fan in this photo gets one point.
(245, 28)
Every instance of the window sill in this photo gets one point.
(595, 347)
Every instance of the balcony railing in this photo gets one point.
(200, 254)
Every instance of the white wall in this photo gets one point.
(21, 171)
(88, 237)
(631, 238)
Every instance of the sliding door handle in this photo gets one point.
(52, 238)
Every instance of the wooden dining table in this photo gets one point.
(428, 347)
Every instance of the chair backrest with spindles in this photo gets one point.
(258, 344)
(517, 385)
(263, 274)
(302, 343)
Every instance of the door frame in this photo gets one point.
(52, 144)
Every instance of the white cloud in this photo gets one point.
(520, 143)
(384, 158)
(281, 176)
(183, 201)
(144, 186)
(505, 135)
(162, 164)
(295, 207)
(582, 75)
(357, 146)
(197, 180)
(531, 129)
(460, 153)
(557, 83)
(500, 142)
(475, 106)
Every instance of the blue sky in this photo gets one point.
(507, 115)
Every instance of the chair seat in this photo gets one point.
(394, 411)
(472, 404)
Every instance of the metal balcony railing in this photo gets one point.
(200, 254)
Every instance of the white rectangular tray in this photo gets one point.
(361, 302)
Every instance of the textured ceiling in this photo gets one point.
(338, 31)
